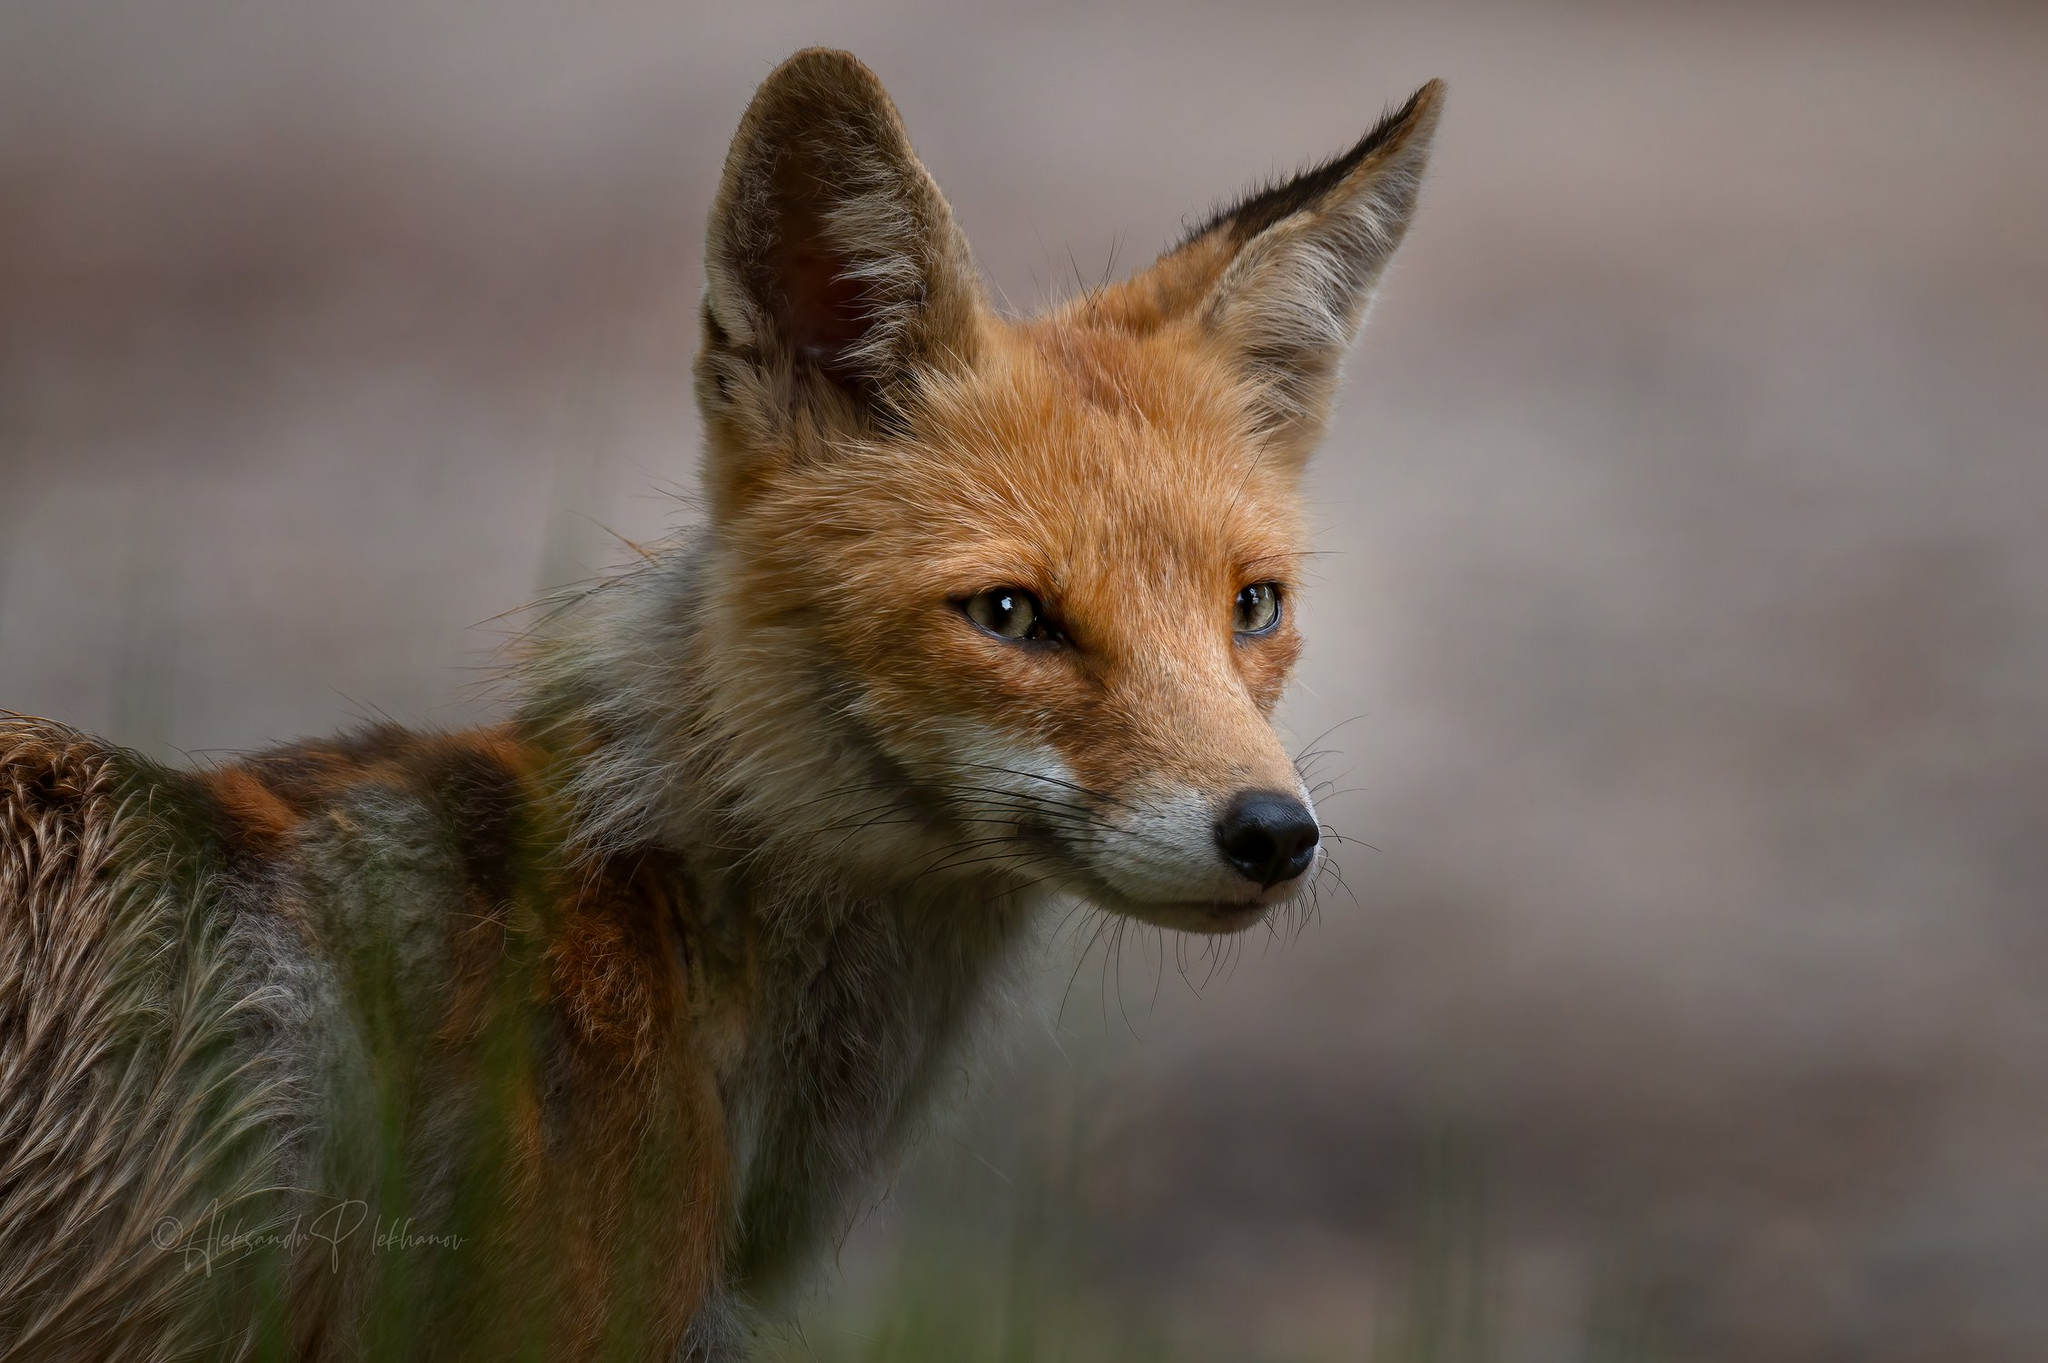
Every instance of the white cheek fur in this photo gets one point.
(1011, 772)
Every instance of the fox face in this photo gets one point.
(1017, 597)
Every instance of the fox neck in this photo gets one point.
(851, 968)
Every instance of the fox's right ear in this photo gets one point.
(834, 272)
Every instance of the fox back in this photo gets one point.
(579, 1036)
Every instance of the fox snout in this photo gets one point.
(1189, 861)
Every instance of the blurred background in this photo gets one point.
(1682, 636)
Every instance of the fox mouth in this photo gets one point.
(1201, 916)
(1218, 918)
(1208, 917)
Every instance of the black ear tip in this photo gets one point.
(1426, 103)
(1407, 130)
(1416, 118)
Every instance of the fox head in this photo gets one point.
(1016, 597)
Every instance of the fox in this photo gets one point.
(583, 1033)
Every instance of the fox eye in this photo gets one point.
(1258, 608)
(1009, 613)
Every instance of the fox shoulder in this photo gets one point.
(123, 1014)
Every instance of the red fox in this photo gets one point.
(580, 1036)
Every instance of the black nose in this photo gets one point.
(1269, 836)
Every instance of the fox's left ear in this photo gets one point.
(1282, 279)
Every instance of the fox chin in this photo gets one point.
(622, 1005)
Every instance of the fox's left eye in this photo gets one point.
(1258, 608)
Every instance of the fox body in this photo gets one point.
(580, 1035)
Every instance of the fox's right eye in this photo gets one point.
(1009, 613)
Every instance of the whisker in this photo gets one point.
(1103, 914)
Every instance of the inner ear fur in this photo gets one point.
(834, 271)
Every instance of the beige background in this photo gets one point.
(1685, 620)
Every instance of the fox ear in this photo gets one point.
(833, 269)
(1282, 279)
